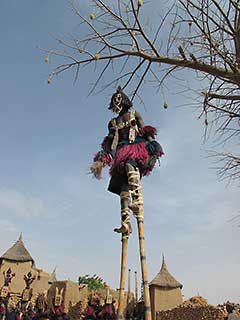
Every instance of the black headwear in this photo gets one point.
(125, 102)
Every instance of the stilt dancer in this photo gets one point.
(131, 150)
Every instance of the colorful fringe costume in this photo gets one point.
(128, 141)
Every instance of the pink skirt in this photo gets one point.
(136, 152)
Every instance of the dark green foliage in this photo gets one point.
(94, 282)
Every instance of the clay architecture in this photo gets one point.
(19, 260)
(165, 291)
(24, 273)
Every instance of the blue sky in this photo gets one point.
(48, 136)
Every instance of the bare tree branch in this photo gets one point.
(202, 36)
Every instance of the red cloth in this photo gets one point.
(59, 309)
(107, 310)
(89, 311)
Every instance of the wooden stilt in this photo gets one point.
(136, 288)
(146, 295)
(128, 307)
(129, 286)
(120, 311)
(137, 208)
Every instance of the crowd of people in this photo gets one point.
(93, 310)
(9, 311)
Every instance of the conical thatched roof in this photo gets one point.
(164, 279)
(53, 277)
(17, 253)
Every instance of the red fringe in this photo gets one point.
(148, 131)
(105, 158)
(135, 151)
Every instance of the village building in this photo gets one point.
(67, 293)
(165, 291)
(21, 263)
(71, 293)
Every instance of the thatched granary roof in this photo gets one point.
(164, 279)
(53, 277)
(17, 253)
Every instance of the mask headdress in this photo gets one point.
(119, 101)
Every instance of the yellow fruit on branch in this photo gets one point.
(97, 56)
(46, 59)
(140, 3)
(49, 81)
(92, 16)
(165, 105)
